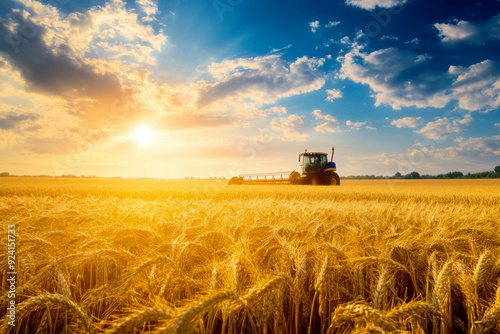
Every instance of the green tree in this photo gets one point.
(497, 169)
(414, 175)
(453, 175)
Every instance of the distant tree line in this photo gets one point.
(72, 176)
(6, 174)
(413, 175)
(450, 175)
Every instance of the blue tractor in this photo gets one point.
(316, 170)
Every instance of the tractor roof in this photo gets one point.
(313, 153)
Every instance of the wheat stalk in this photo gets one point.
(489, 320)
(360, 313)
(128, 324)
(44, 323)
(63, 284)
(317, 285)
(56, 299)
(442, 294)
(237, 273)
(265, 288)
(381, 260)
(442, 285)
(322, 274)
(485, 266)
(213, 279)
(381, 291)
(419, 308)
(182, 322)
(139, 269)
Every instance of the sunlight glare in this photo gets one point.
(143, 135)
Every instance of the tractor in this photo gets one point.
(316, 170)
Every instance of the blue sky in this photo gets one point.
(218, 88)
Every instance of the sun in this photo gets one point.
(143, 135)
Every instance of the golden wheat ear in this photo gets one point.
(182, 323)
(55, 300)
(129, 324)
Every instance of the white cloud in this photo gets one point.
(478, 86)
(389, 37)
(497, 124)
(359, 125)
(383, 71)
(414, 41)
(110, 32)
(87, 62)
(474, 154)
(468, 32)
(314, 25)
(345, 40)
(372, 4)
(332, 24)
(402, 79)
(483, 144)
(281, 49)
(443, 127)
(355, 125)
(150, 8)
(277, 110)
(333, 94)
(407, 122)
(289, 129)
(327, 123)
(260, 80)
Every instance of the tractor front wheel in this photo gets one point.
(314, 181)
(333, 179)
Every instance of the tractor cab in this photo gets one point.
(316, 162)
(317, 170)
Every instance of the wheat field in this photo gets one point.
(157, 256)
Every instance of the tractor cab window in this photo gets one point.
(313, 163)
(324, 162)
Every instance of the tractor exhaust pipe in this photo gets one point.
(333, 151)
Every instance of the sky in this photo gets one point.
(205, 88)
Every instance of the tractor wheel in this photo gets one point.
(314, 180)
(233, 180)
(294, 178)
(333, 179)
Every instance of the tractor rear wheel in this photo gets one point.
(294, 178)
(333, 179)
